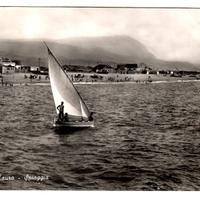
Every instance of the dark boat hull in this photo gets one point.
(73, 124)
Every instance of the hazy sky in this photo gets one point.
(168, 33)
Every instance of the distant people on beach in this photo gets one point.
(149, 79)
(7, 84)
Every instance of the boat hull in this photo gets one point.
(73, 124)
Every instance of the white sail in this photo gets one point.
(64, 91)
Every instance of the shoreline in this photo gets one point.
(19, 79)
(105, 83)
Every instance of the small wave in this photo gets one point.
(83, 170)
(114, 176)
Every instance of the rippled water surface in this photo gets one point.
(146, 137)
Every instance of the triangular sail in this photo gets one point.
(64, 90)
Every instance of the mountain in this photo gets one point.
(87, 51)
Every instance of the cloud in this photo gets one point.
(171, 34)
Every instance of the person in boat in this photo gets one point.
(91, 116)
(66, 117)
(61, 111)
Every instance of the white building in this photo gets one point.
(34, 69)
(7, 69)
(7, 66)
(7, 62)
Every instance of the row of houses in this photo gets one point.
(130, 68)
(8, 66)
(109, 68)
(32, 69)
(11, 66)
(140, 68)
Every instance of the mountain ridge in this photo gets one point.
(88, 51)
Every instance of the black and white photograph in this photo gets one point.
(99, 98)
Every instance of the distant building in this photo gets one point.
(6, 69)
(144, 68)
(77, 68)
(103, 69)
(6, 65)
(34, 69)
(23, 68)
(126, 68)
(43, 70)
(7, 62)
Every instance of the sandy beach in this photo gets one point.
(82, 78)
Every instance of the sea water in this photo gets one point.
(146, 137)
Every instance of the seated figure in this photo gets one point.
(66, 118)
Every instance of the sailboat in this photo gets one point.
(75, 111)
